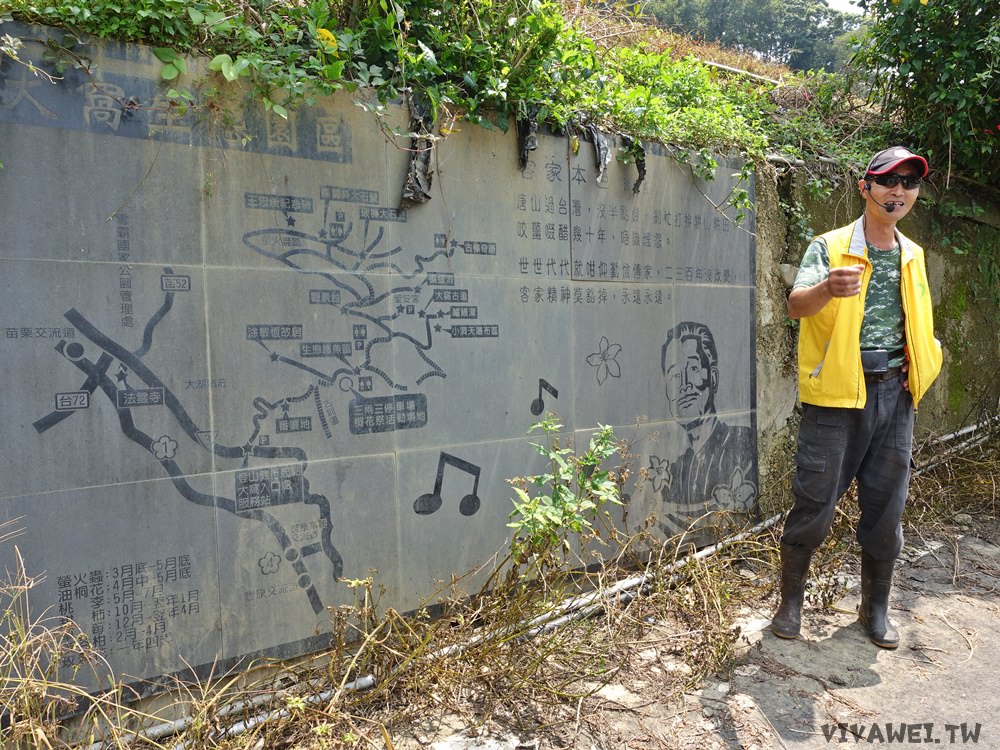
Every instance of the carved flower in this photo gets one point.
(269, 563)
(738, 495)
(605, 360)
(164, 447)
(660, 473)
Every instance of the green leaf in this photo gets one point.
(218, 61)
(334, 71)
(169, 72)
(280, 111)
(165, 54)
(428, 53)
(215, 19)
(196, 16)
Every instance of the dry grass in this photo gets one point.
(958, 481)
(612, 25)
(516, 656)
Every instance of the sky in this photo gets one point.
(844, 6)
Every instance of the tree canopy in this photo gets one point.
(803, 34)
(924, 73)
(935, 70)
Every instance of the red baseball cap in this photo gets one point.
(890, 158)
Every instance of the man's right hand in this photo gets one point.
(845, 281)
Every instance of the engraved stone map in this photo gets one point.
(238, 369)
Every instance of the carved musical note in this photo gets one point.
(537, 406)
(431, 501)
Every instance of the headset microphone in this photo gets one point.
(889, 207)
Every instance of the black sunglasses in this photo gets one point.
(909, 182)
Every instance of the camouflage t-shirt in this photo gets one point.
(882, 327)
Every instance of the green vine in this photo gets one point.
(488, 63)
(566, 65)
(799, 221)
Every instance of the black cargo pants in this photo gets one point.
(835, 445)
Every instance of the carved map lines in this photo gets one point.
(321, 413)
(286, 258)
(147, 331)
(422, 261)
(164, 448)
(435, 371)
(289, 481)
(73, 352)
(328, 254)
(360, 303)
(326, 542)
(322, 376)
(136, 365)
(264, 409)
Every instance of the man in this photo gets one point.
(867, 354)
(715, 471)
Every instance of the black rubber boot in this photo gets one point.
(873, 612)
(794, 572)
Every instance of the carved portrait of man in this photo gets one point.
(714, 472)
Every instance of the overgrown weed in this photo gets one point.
(957, 481)
(43, 658)
(525, 654)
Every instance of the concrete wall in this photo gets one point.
(236, 369)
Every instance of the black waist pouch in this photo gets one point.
(874, 361)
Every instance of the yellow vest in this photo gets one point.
(830, 371)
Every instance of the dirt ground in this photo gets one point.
(828, 688)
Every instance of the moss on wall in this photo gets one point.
(949, 315)
(955, 303)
